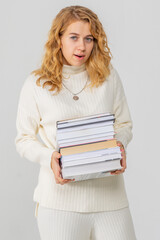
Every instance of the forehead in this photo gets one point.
(79, 27)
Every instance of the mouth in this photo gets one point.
(79, 56)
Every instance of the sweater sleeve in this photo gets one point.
(27, 125)
(123, 122)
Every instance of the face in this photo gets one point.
(76, 43)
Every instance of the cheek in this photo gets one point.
(64, 50)
(90, 48)
(67, 47)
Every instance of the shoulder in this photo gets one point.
(114, 75)
(36, 89)
(29, 85)
(30, 80)
(115, 78)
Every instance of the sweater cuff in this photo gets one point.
(120, 137)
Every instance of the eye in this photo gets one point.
(73, 37)
(89, 39)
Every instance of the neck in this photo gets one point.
(69, 69)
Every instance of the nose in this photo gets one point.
(81, 45)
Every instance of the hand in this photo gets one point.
(55, 166)
(123, 160)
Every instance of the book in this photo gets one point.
(83, 132)
(88, 147)
(90, 160)
(97, 153)
(83, 177)
(91, 168)
(84, 120)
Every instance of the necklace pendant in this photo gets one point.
(75, 97)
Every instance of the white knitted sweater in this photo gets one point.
(38, 111)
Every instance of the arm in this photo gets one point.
(123, 123)
(27, 124)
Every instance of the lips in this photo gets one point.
(79, 55)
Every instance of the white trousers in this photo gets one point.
(56, 224)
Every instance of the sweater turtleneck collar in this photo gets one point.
(74, 77)
(68, 69)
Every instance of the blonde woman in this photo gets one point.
(76, 79)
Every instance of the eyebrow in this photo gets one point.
(78, 34)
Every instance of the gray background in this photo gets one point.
(133, 34)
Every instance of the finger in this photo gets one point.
(119, 143)
(122, 150)
(57, 159)
(63, 181)
(123, 162)
(123, 153)
(66, 181)
(60, 179)
(124, 165)
(117, 172)
(121, 146)
(59, 176)
(123, 156)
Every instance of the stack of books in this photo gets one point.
(88, 147)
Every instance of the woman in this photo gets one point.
(75, 79)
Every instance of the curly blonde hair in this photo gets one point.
(97, 65)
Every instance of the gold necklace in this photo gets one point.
(75, 97)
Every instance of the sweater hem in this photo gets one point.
(83, 210)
